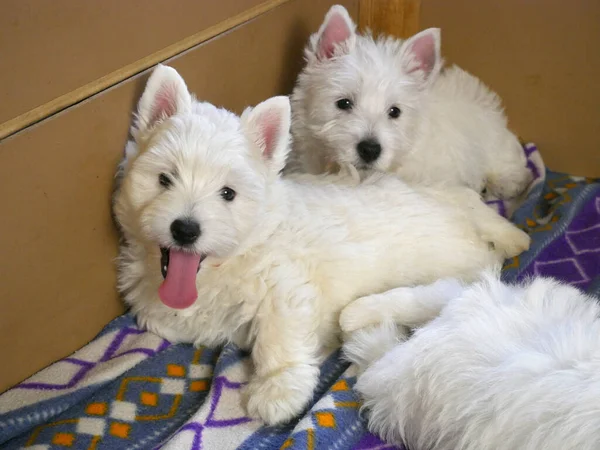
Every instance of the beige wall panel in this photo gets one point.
(543, 58)
(49, 48)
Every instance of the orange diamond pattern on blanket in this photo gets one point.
(120, 430)
(96, 409)
(135, 398)
(325, 419)
(175, 370)
(199, 385)
(149, 398)
(341, 385)
(63, 439)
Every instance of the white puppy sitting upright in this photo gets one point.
(386, 104)
(219, 248)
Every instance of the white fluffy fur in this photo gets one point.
(452, 128)
(287, 254)
(504, 367)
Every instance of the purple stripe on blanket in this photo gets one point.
(372, 442)
(86, 366)
(530, 149)
(534, 170)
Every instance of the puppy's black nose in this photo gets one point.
(185, 231)
(368, 150)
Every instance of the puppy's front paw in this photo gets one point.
(521, 243)
(361, 313)
(281, 396)
(511, 241)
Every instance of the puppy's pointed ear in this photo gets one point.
(268, 127)
(336, 36)
(164, 96)
(421, 57)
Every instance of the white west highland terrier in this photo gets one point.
(503, 367)
(219, 248)
(387, 105)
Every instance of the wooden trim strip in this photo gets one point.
(69, 99)
(398, 18)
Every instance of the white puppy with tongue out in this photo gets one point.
(219, 248)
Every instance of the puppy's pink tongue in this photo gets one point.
(179, 288)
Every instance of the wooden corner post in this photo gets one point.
(398, 18)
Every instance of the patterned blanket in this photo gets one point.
(129, 389)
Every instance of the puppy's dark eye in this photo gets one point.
(394, 112)
(344, 104)
(165, 180)
(228, 194)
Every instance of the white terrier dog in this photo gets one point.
(503, 367)
(383, 104)
(219, 248)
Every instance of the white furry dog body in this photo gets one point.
(504, 367)
(271, 260)
(383, 104)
